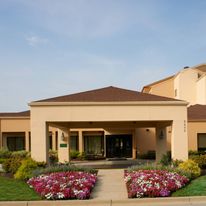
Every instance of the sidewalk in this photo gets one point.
(110, 185)
(180, 201)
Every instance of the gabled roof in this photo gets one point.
(197, 112)
(108, 94)
(15, 114)
(200, 67)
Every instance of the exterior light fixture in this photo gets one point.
(62, 136)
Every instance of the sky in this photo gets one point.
(56, 47)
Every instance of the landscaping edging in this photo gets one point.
(131, 202)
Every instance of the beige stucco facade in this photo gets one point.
(162, 88)
(112, 115)
(195, 128)
(201, 90)
(12, 126)
(189, 84)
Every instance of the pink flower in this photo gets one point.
(153, 183)
(64, 185)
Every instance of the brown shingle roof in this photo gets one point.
(197, 112)
(15, 114)
(108, 94)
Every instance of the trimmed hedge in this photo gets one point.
(62, 168)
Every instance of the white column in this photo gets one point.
(64, 145)
(161, 142)
(179, 140)
(40, 141)
(27, 141)
(134, 145)
(80, 141)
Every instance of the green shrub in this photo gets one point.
(4, 154)
(53, 157)
(12, 164)
(199, 159)
(81, 156)
(190, 166)
(25, 171)
(175, 163)
(150, 166)
(2, 160)
(62, 168)
(195, 152)
(41, 164)
(166, 159)
(21, 154)
(74, 154)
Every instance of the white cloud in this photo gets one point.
(34, 40)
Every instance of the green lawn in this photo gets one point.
(197, 187)
(11, 189)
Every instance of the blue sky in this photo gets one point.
(56, 47)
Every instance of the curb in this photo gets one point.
(130, 202)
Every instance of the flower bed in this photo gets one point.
(64, 185)
(153, 183)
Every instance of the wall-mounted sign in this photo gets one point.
(63, 145)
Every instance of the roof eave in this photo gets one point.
(196, 120)
(14, 117)
(109, 103)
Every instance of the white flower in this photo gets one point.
(60, 195)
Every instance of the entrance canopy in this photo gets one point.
(108, 107)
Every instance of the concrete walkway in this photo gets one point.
(110, 185)
(179, 201)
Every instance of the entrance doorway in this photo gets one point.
(119, 146)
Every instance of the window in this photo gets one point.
(74, 141)
(29, 141)
(56, 136)
(201, 141)
(94, 144)
(50, 141)
(15, 143)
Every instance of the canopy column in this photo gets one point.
(64, 145)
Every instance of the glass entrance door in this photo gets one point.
(119, 146)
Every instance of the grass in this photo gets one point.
(12, 190)
(197, 187)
